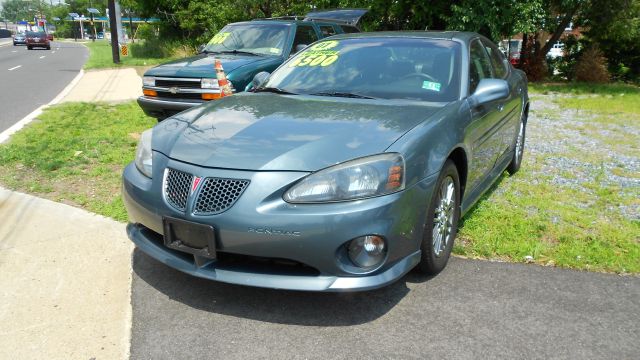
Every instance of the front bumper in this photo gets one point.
(183, 262)
(163, 108)
(321, 230)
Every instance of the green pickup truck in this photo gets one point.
(244, 49)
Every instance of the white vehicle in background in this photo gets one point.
(556, 51)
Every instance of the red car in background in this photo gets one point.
(37, 39)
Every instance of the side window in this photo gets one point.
(479, 65)
(305, 34)
(327, 30)
(348, 29)
(497, 60)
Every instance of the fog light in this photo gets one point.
(367, 252)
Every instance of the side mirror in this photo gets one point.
(200, 48)
(259, 79)
(489, 90)
(298, 48)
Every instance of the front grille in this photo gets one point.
(217, 195)
(176, 188)
(179, 83)
(168, 95)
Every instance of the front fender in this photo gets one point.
(428, 145)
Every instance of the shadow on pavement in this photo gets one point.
(268, 305)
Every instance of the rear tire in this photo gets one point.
(441, 226)
(518, 151)
(29, 48)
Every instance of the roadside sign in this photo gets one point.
(124, 50)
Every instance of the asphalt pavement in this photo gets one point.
(32, 78)
(472, 310)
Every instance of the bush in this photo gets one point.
(592, 66)
(146, 32)
(158, 49)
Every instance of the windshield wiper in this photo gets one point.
(274, 90)
(237, 52)
(343, 94)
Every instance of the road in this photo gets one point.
(31, 78)
(472, 310)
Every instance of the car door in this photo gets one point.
(482, 133)
(510, 117)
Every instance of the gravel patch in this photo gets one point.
(568, 151)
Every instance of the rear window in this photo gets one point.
(327, 30)
(36, 34)
(348, 29)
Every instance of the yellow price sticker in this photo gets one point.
(219, 38)
(315, 58)
(325, 45)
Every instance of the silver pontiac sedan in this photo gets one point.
(342, 170)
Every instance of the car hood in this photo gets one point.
(202, 65)
(275, 132)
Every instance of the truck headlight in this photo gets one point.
(206, 83)
(148, 81)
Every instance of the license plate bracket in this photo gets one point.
(190, 237)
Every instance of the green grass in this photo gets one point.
(100, 57)
(555, 226)
(74, 153)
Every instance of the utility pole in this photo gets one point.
(115, 50)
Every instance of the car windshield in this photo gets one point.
(36, 34)
(386, 68)
(260, 39)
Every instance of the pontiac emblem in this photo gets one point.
(194, 185)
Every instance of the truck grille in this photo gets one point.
(179, 83)
(168, 95)
(217, 195)
(176, 188)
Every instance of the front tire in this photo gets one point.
(518, 151)
(441, 226)
(29, 48)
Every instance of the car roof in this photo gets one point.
(445, 35)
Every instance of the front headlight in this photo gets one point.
(356, 179)
(148, 81)
(207, 83)
(144, 155)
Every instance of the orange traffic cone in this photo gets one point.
(225, 85)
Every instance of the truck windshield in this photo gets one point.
(259, 39)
